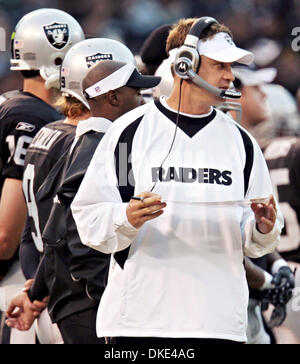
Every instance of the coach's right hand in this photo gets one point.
(150, 207)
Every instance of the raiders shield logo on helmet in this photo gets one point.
(57, 34)
(91, 60)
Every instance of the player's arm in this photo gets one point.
(12, 217)
(29, 255)
(272, 258)
(39, 289)
(257, 278)
(15, 140)
(254, 274)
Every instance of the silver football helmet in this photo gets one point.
(230, 105)
(84, 55)
(40, 41)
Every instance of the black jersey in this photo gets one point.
(49, 144)
(283, 159)
(21, 116)
(73, 275)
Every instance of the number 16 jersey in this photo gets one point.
(22, 115)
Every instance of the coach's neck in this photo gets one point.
(194, 100)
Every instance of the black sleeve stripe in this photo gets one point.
(123, 150)
(249, 150)
(125, 177)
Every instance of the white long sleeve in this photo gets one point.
(258, 244)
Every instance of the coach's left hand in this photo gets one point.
(265, 215)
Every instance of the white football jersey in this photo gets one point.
(181, 274)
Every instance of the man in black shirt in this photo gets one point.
(22, 114)
(51, 145)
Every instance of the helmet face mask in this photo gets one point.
(230, 105)
(40, 41)
(82, 56)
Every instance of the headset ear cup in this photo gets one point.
(187, 53)
(181, 67)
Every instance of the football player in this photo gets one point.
(39, 44)
(283, 159)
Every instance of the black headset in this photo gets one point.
(188, 59)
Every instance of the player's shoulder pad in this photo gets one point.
(19, 103)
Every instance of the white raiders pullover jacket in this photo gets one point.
(181, 274)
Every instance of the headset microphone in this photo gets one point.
(227, 94)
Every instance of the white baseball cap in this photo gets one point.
(221, 48)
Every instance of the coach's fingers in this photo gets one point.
(149, 204)
(150, 209)
(147, 199)
(265, 215)
(152, 216)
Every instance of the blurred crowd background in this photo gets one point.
(263, 26)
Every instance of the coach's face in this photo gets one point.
(218, 74)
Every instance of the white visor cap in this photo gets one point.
(127, 75)
(221, 48)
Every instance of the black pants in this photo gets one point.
(80, 328)
(168, 341)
